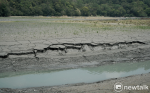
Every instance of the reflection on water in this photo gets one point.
(120, 67)
(86, 75)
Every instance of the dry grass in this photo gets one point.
(31, 28)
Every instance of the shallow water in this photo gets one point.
(86, 75)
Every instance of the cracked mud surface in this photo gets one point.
(34, 57)
(61, 48)
(81, 55)
(26, 54)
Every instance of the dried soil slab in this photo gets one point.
(9, 43)
(61, 41)
(77, 41)
(94, 44)
(3, 54)
(86, 41)
(23, 42)
(25, 47)
(57, 46)
(37, 41)
(86, 48)
(53, 41)
(47, 43)
(97, 40)
(21, 52)
(40, 47)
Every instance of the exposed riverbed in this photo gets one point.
(72, 76)
(78, 56)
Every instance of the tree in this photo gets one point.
(38, 11)
(75, 7)
(48, 10)
(122, 11)
(77, 12)
(93, 9)
(58, 7)
(69, 12)
(138, 11)
(85, 11)
(4, 9)
(148, 11)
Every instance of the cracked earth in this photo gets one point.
(23, 54)
(70, 53)
(62, 48)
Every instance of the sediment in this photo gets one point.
(27, 56)
(19, 58)
(67, 52)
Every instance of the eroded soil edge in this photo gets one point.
(69, 55)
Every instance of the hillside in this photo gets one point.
(130, 8)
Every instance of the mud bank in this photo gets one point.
(127, 52)
(79, 55)
(72, 47)
(67, 48)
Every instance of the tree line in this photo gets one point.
(114, 8)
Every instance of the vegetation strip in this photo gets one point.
(129, 8)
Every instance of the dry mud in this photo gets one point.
(74, 55)
(65, 53)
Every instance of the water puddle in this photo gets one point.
(86, 75)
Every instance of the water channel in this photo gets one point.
(72, 76)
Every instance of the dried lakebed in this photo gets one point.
(15, 48)
(35, 45)
(71, 76)
(37, 56)
(85, 56)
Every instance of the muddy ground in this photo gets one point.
(25, 55)
(73, 55)
(128, 52)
